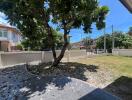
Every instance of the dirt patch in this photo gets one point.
(72, 69)
(93, 74)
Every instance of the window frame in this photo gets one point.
(1, 33)
(5, 33)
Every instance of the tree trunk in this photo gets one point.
(50, 36)
(66, 42)
(54, 52)
(59, 58)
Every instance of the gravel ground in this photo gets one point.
(11, 80)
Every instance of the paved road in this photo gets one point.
(17, 84)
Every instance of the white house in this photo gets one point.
(10, 37)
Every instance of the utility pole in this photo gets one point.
(104, 41)
(113, 38)
(81, 36)
(81, 42)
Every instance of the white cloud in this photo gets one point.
(3, 19)
(2, 15)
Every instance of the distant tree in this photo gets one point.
(127, 42)
(32, 17)
(100, 42)
(130, 31)
(121, 41)
(87, 42)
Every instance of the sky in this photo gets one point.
(118, 16)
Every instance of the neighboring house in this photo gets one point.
(10, 37)
(76, 45)
(80, 45)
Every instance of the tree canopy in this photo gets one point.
(76, 13)
(42, 43)
(32, 17)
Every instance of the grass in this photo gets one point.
(121, 65)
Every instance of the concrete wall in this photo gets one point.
(77, 53)
(14, 58)
(122, 52)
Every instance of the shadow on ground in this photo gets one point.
(72, 69)
(122, 87)
(16, 83)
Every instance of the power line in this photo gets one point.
(109, 27)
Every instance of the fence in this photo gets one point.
(15, 58)
(122, 52)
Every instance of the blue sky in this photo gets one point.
(118, 16)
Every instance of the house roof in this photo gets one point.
(10, 28)
(127, 4)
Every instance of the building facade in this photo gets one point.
(10, 37)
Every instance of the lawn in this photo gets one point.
(121, 65)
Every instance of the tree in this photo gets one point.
(87, 42)
(100, 42)
(121, 41)
(42, 43)
(130, 31)
(32, 17)
(127, 42)
(71, 14)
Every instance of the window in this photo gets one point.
(14, 37)
(0, 33)
(5, 33)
